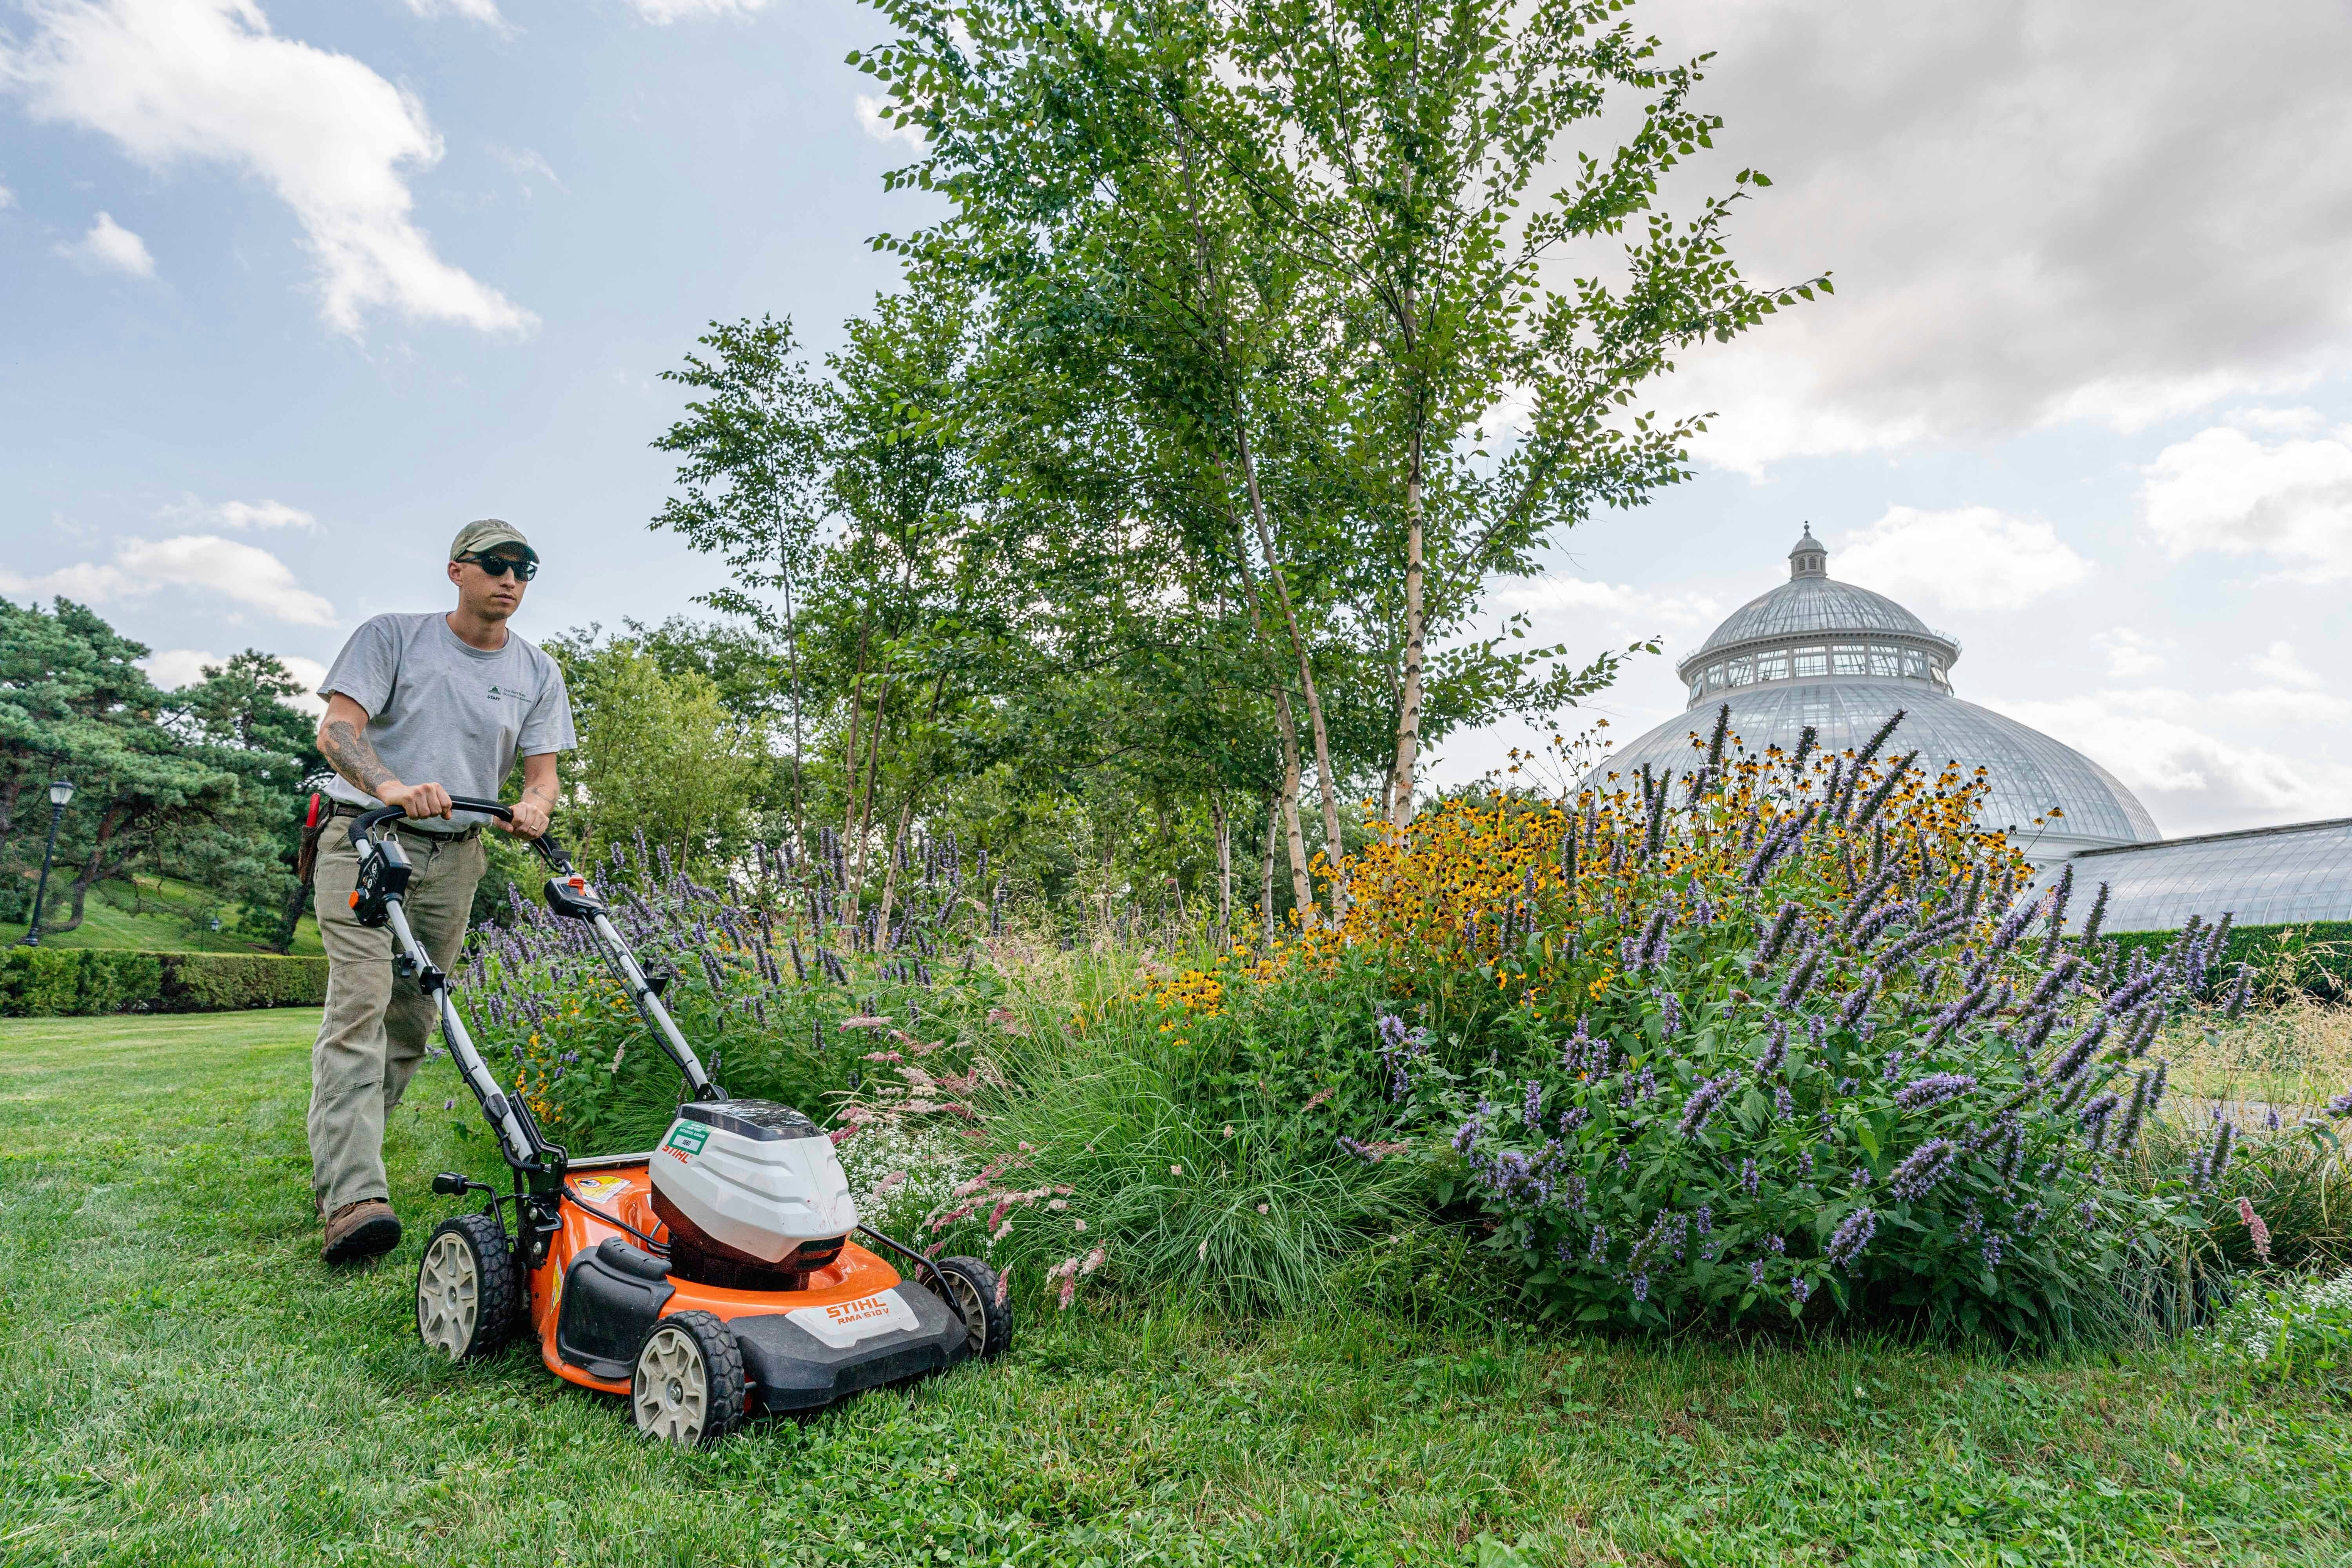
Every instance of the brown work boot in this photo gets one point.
(363, 1229)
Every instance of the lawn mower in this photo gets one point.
(711, 1277)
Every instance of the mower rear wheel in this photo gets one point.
(977, 1296)
(688, 1385)
(466, 1287)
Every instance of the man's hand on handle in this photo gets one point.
(529, 819)
(419, 800)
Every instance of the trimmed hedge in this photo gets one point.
(2316, 956)
(43, 982)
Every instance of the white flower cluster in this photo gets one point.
(898, 1177)
(2256, 1327)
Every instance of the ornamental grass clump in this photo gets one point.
(1803, 1038)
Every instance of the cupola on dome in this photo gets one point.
(1814, 652)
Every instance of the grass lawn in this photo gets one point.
(160, 924)
(183, 1382)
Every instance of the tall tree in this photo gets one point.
(751, 483)
(1401, 143)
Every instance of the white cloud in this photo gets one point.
(664, 12)
(874, 119)
(484, 12)
(1617, 603)
(244, 575)
(2279, 665)
(1970, 558)
(7, 198)
(2107, 211)
(2224, 490)
(109, 244)
(2173, 751)
(190, 512)
(528, 163)
(178, 667)
(174, 81)
(2132, 654)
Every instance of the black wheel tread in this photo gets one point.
(996, 1335)
(722, 1358)
(498, 1283)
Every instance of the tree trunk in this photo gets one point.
(1408, 742)
(1224, 869)
(1265, 874)
(1328, 786)
(1301, 888)
(290, 919)
(849, 769)
(94, 870)
(915, 780)
(9, 789)
(873, 769)
(1288, 727)
(792, 655)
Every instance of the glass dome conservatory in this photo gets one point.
(1818, 652)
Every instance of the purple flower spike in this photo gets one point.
(1933, 1089)
(1928, 1164)
(1704, 1100)
(1750, 1177)
(1853, 1234)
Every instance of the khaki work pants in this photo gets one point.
(373, 1033)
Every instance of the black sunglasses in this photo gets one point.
(499, 565)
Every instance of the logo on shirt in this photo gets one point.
(503, 693)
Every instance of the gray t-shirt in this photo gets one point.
(440, 711)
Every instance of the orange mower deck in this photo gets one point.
(859, 1322)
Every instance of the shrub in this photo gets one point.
(229, 981)
(1793, 1037)
(37, 982)
(41, 981)
(2314, 959)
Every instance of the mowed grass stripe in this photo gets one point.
(181, 1381)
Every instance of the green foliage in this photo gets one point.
(2299, 1327)
(2314, 957)
(40, 981)
(230, 982)
(1203, 1161)
(206, 782)
(173, 1325)
(660, 756)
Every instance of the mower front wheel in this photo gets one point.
(688, 1385)
(466, 1287)
(976, 1296)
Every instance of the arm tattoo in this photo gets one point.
(347, 750)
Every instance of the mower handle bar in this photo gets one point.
(366, 821)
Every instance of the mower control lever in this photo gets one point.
(451, 1184)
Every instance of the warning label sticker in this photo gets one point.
(688, 1138)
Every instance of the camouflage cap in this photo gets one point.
(478, 538)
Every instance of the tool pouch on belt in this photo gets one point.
(306, 859)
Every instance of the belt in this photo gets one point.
(345, 809)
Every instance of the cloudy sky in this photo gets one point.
(295, 289)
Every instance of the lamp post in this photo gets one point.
(60, 791)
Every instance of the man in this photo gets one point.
(419, 708)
